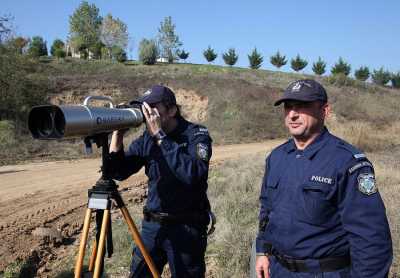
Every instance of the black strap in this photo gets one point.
(172, 218)
(326, 264)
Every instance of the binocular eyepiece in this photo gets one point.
(48, 122)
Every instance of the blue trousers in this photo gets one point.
(278, 271)
(181, 245)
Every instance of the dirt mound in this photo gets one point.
(194, 106)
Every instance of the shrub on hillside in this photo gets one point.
(59, 53)
(341, 67)
(395, 78)
(209, 54)
(230, 57)
(298, 63)
(381, 76)
(362, 73)
(148, 52)
(319, 67)
(37, 47)
(340, 80)
(278, 60)
(182, 54)
(118, 54)
(255, 59)
(57, 44)
(20, 88)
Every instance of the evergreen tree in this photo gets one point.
(341, 67)
(298, 63)
(381, 76)
(395, 78)
(209, 54)
(362, 73)
(57, 44)
(37, 47)
(168, 40)
(84, 25)
(182, 54)
(230, 57)
(255, 59)
(319, 67)
(148, 52)
(278, 60)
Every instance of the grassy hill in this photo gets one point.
(236, 104)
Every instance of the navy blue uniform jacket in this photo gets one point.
(177, 169)
(320, 204)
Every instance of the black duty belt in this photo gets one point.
(199, 218)
(325, 264)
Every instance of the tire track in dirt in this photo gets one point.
(53, 195)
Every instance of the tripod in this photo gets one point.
(100, 199)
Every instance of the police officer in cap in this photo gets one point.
(321, 213)
(176, 155)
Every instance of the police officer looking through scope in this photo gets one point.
(321, 214)
(176, 155)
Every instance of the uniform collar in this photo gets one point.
(313, 148)
(182, 124)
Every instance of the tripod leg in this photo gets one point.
(101, 244)
(138, 240)
(82, 246)
(93, 256)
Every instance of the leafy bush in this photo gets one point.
(341, 67)
(57, 44)
(362, 73)
(59, 53)
(37, 47)
(118, 54)
(298, 63)
(340, 80)
(209, 54)
(381, 76)
(255, 59)
(230, 57)
(319, 67)
(395, 80)
(148, 52)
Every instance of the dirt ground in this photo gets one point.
(42, 204)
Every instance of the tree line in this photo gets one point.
(92, 36)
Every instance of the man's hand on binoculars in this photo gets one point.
(153, 119)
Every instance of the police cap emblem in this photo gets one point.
(202, 151)
(367, 184)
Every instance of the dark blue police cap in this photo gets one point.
(305, 90)
(158, 93)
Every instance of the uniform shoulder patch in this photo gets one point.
(202, 151)
(200, 130)
(360, 165)
(367, 184)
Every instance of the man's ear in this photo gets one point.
(327, 109)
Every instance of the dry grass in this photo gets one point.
(233, 191)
